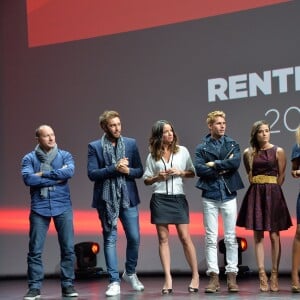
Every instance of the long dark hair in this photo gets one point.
(253, 136)
(155, 141)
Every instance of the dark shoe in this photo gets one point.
(231, 282)
(32, 294)
(193, 290)
(214, 284)
(166, 291)
(69, 291)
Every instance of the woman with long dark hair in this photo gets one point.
(167, 165)
(264, 207)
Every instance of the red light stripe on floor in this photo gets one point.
(15, 221)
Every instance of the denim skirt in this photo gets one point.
(169, 209)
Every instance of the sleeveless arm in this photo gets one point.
(281, 161)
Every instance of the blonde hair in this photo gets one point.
(297, 134)
(211, 117)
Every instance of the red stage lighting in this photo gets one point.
(242, 246)
(86, 254)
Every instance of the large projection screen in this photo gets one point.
(180, 65)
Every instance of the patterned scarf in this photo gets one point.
(115, 191)
(46, 159)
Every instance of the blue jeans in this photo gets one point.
(39, 226)
(228, 211)
(129, 218)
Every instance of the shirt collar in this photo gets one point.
(218, 141)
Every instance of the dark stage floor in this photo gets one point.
(92, 289)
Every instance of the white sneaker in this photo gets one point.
(134, 281)
(113, 289)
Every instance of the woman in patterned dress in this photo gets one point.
(264, 207)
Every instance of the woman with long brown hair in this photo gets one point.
(167, 165)
(264, 207)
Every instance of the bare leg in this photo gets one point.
(259, 249)
(276, 253)
(260, 259)
(190, 252)
(164, 253)
(296, 258)
(276, 250)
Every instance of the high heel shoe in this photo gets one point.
(295, 288)
(263, 281)
(166, 291)
(274, 281)
(193, 290)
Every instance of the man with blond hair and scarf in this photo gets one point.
(113, 165)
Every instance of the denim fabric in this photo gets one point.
(39, 226)
(228, 211)
(295, 152)
(57, 180)
(224, 175)
(129, 218)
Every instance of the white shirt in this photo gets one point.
(174, 185)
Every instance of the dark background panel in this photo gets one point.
(157, 73)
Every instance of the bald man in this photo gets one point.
(47, 170)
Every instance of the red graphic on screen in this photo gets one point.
(58, 21)
(86, 222)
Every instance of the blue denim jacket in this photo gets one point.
(59, 199)
(223, 180)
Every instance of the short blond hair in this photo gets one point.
(211, 117)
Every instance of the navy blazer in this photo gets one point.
(98, 171)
